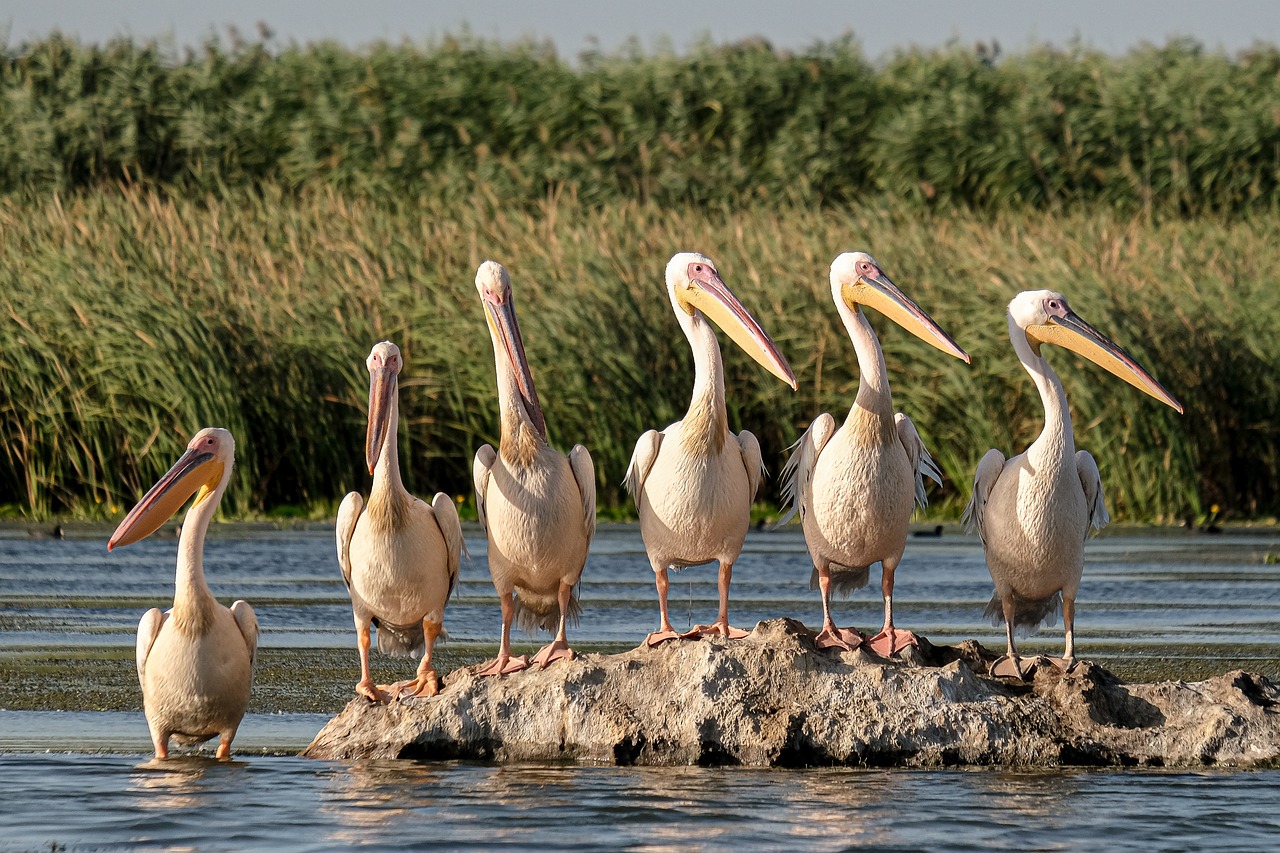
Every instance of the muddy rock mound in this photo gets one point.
(772, 699)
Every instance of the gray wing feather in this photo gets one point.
(148, 630)
(797, 474)
(248, 622)
(921, 462)
(642, 461)
(348, 515)
(584, 473)
(753, 460)
(1087, 468)
(485, 457)
(983, 481)
(446, 515)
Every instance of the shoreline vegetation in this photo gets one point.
(217, 238)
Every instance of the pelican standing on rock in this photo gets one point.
(1034, 511)
(537, 506)
(399, 557)
(694, 481)
(195, 661)
(855, 486)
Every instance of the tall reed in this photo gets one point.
(1173, 128)
(130, 318)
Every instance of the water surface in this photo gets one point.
(1175, 604)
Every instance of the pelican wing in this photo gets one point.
(248, 622)
(921, 462)
(446, 513)
(485, 457)
(585, 474)
(983, 481)
(348, 515)
(798, 472)
(148, 630)
(751, 458)
(1087, 468)
(642, 461)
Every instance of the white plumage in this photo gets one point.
(538, 507)
(1034, 511)
(195, 661)
(399, 557)
(854, 486)
(694, 481)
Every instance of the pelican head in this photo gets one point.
(494, 286)
(856, 279)
(694, 285)
(205, 466)
(1045, 318)
(384, 363)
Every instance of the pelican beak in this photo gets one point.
(197, 469)
(1078, 336)
(382, 394)
(501, 314)
(880, 293)
(708, 293)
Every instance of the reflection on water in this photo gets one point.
(365, 798)
(1149, 593)
(174, 784)
(295, 804)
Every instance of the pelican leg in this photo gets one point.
(224, 745)
(832, 637)
(1068, 659)
(890, 640)
(160, 741)
(557, 649)
(427, 680)
(504, 663)
(1009, 665)
(720, 627)
(366, 686)
(665, 631)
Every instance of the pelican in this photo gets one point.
(399, 557)
(694, 481)
(195, 661)
(854, 486)
(538, 507)
(1034, 511)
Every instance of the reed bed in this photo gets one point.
(1173, 128)
(130, 318)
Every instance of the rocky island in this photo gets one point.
(772, 699)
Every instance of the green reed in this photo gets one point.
(130, 318)
(1173, 128)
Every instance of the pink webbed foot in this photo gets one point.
(891, 641)
(552, 652)
(426, 684)
(1014, 667)
(715, 629)
(504, 665)
(657, 638)
(846, 639)
(373, 692)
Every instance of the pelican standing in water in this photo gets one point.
(399, 557)
(855, 486)
(537, 506)
(195, 661)
(694, 481)
(1034, 511)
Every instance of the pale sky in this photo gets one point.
(575, 25)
